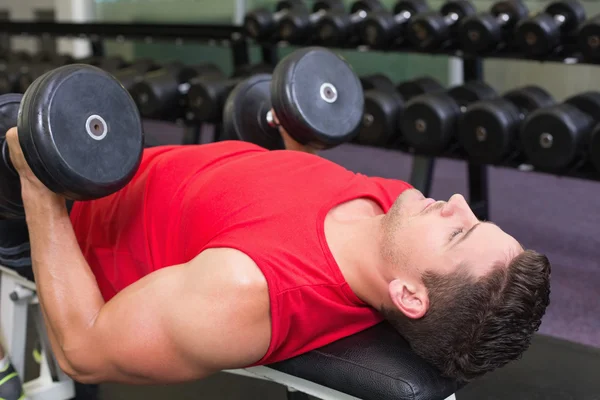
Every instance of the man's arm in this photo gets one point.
(179, 323)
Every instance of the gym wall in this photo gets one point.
(502, 74)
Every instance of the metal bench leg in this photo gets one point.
(17, 297)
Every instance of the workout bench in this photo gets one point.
(376, 364)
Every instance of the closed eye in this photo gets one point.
(456, 233)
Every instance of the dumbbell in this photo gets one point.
(544, 32)
(160, 93)
(486, 32)
(297, 26)
(557, 138)
(338, 27)
(383, 30)
(315, 96)
(384, 105)
(206, 95)
(588, 39)
(80, 132)
(430, 121)
(17, 77)
(436, 30)
(489, 129)
(134, 73)
(261, 24)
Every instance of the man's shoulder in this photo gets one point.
(232, 268)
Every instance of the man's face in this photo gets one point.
(439, 236)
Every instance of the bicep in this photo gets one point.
(179, 323)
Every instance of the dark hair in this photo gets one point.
(474, 326)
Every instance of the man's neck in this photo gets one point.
(354, 238)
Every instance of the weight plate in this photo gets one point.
(427, 30)
(588, 39)
(380, 120)
(334, 28)
(259, 24)
(411, 6)
(572, 10)
(529, 98)
(489, 129)
(157, 93)
(11, 204)
(480, 33)
(377, 81)
(588, 102)
(377, 30)
(595, 148)
(317, 97)
(80, 132)
(294, 26)
(552, 137)
(245, 113)
(514, 9)
(429, 122)
(418, 86)
(206, 98)
(471, 92)
(462, 8)
(538, 35)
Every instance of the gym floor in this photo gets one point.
(557, 216)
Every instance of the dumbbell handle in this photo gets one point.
(502, 18)
(402, 17)
(358, 16)
(559, 18)
(278, 15)
(6, 157)
(316, 16)
(451, 18)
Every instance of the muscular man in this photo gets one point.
(225, 255)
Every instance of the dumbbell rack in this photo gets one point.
(178, 34)
(234, 37)
(477, 174)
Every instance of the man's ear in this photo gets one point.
(410, 298)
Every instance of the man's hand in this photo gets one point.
(30, 184)
(289, 143)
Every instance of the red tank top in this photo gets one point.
(270, 205)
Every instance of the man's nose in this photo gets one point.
(458, 205)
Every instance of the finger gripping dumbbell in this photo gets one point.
(434, 30)
(314, 94)
(382, 29)
(488, 31)
(384, 105)
(489, 129)
(557, 138)
(298, 26)
(261, 24)
(588, 39)
(338, 28)
(544, 32)
(80, 132)
(160, 93)
(430, 121)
